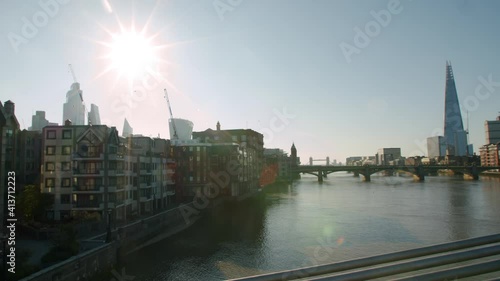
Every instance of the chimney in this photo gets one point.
(9, 108)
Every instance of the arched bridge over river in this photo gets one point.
(367, 170)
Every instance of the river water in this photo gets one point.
(309, 223)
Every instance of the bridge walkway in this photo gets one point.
(470, 259)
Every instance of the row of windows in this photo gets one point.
(234, 138)
(51, 150)
(51, 166)
(51, 134)
(51, 182)
(90, 183)
(90, 198)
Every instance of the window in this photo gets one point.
(50, 150)
(94, 151)
(66, 134)
(234, 138)
(66, 150)
(65, 166)
(65, 182)
(50, 166)
(65, 199)
(50, 182)
(51, 134)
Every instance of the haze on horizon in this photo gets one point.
(337, 78)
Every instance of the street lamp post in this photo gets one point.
(108, 232)
(154, 200)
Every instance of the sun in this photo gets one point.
(134, 53)
(131, 54)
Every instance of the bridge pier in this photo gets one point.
(475, 173)
(356, 174)
(420, 173)
(320, 176)
(367, 177)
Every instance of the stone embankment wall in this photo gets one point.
(125, 240)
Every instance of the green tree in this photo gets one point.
(31, 203)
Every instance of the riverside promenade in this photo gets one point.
(100, 257)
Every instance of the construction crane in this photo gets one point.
(171, 114)
(80, 93)
(72, 72)
(74, 78)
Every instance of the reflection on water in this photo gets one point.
(310, 223)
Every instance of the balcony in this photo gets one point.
(93, 171)
(87, 205)
(87, 156)
(110, 205)
(88, 189)
(118, 157)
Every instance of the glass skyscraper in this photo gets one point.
(454, 134)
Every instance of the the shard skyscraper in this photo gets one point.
(454, 134)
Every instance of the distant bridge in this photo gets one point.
(367, 170)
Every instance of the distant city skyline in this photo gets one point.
(279, 67)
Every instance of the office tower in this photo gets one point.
(388, 156)
(454, 134)
(38, 121)
(74, 109)
(183, 127)
(94, 117)
(127, 129)
(492, 130)
(436, 146)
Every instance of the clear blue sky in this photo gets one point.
(240, 64)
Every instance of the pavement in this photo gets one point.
(37, 248)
